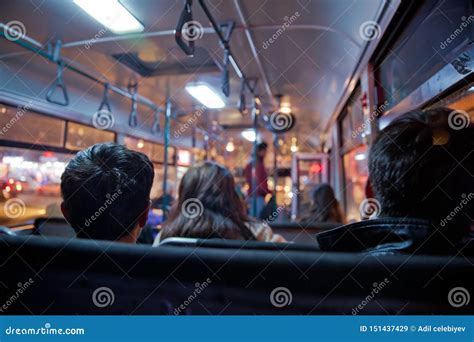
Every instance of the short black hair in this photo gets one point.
(262, 146)
(105, 189)
(422, 165)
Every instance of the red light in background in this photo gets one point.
(11, 181)
(8, 188)
(48, 154)
(316, 168)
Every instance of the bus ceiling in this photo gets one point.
(314, 65)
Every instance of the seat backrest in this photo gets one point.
(74, 276)
(53, 227)
(236, 244)
(301, 233)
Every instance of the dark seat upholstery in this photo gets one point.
(53, 227)
(69, 274)
(301, 233)
(235, 244)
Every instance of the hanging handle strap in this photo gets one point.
(242, 100)
(133, 118)
(184, 28)
(155, 129)
(105, 99)
(225, 74)
(58, 83)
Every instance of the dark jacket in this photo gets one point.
(393, 236)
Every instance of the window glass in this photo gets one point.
(30, 184)
(356, 174)
(21, 125)
(140, 145)
(80, 137)
(438, 30)
(158, 153)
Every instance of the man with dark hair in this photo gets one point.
(106, 192)
(261, 179)
(421, 170)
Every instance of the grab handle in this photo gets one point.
(58, 83)
(185, 18)
(133, 118)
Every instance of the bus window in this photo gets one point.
(30, 183)
(20, 124)
(80, 137)
(411, 60)
(356, 174)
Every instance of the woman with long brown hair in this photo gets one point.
(209, 207)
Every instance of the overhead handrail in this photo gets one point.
(59, 82)
(36, 47)
(183, 28)
(133, 117)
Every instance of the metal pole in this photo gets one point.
(254, 160)
(166, 137)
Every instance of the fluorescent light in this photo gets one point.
(360, 156)
(205, 95)
(249, 135)
(111, 14)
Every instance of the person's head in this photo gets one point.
(106, 192)
(262, 150)
(324, 205)
(422, 165)
(208, 206)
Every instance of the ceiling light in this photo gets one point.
(285, 109)
(205, 95)
(230, 147)
(112, 14)
(249, 135)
